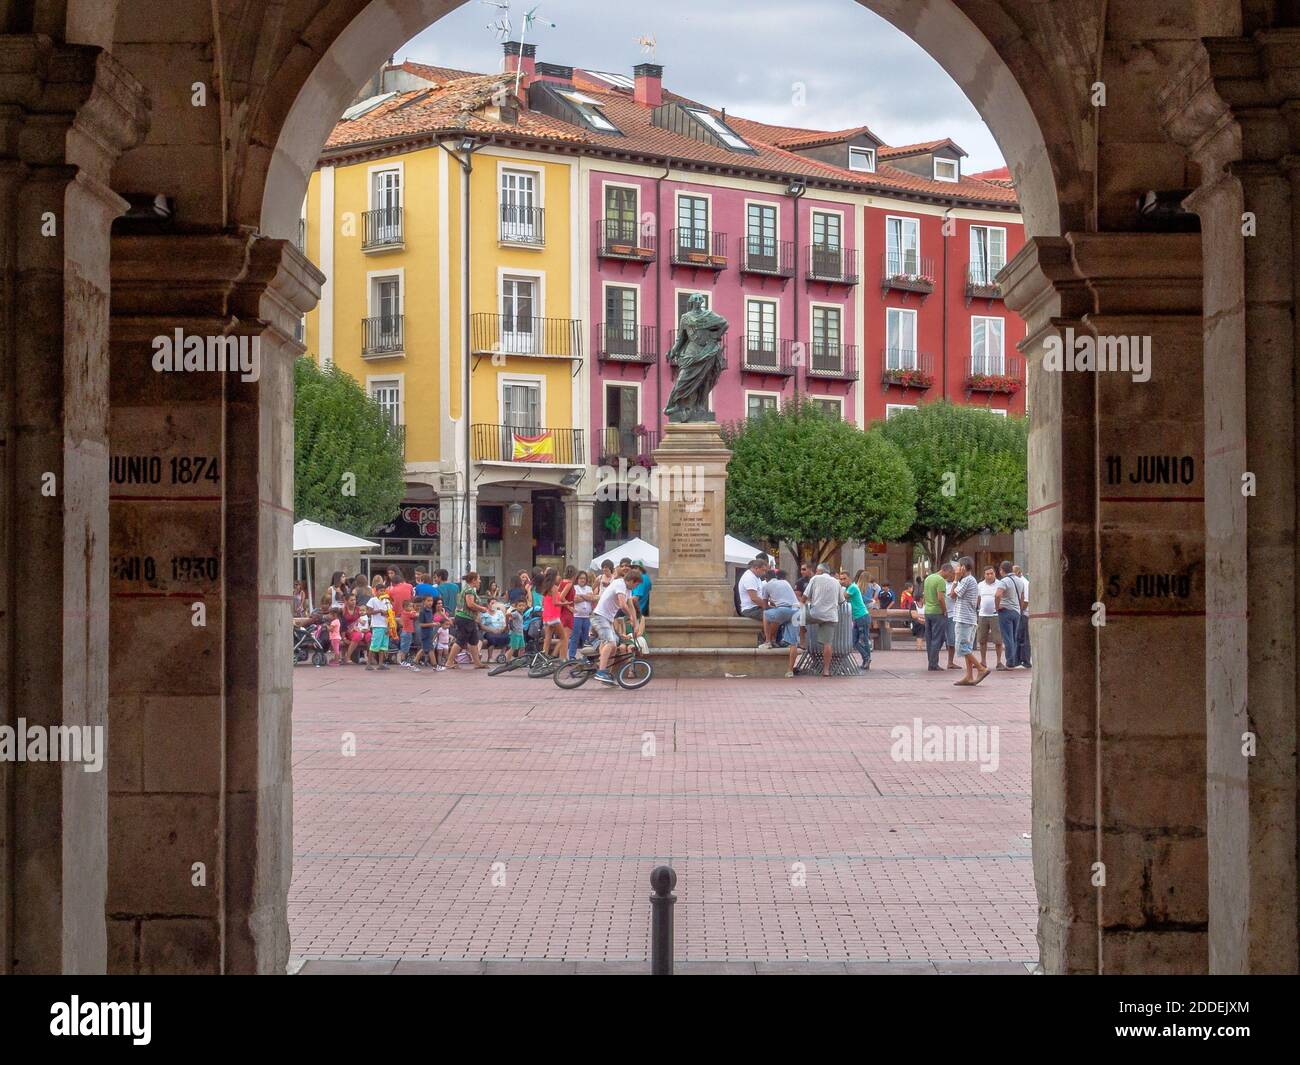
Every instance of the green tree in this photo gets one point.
(970, 469)
(802, 478)
(347, 458)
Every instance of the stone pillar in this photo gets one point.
(451, 528)
(201, 536)
(1119, 774)
(1234, 106)
(66, 112)
(579, 530)
(650, 521)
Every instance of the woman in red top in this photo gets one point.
(552, 619)
(564, 597)
(352, 636)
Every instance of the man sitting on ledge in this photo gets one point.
(750, 590)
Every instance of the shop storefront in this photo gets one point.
(410, 540)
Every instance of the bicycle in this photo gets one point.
(630, 670)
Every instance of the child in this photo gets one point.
(336, 634)
(515, 626)
(426, 634)
(410, 611)
(444, 643)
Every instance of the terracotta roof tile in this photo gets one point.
(895, 150)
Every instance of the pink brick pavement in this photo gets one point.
(394, 847)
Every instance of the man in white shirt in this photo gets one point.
(616, 597)
(964, 600)
(823, 596)
(988, 622)
(750, 590)
(780, 603)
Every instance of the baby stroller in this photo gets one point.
(532, 626)
(309, 642)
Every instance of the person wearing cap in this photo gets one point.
(641, 593)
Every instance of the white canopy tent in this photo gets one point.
(310, 537)
(740, 553)
(736, 552)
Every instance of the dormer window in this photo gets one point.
(724, 133)
(863, 159)
(589, 110)
(945, 170)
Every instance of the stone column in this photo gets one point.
(1234, 106)
(201, 534)
(66, 113)
(1119, 847)
(650, 521)
(579, 530)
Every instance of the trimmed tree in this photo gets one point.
(348, 459)
(970, 469)
(812, 482)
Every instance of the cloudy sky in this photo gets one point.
(752, 58)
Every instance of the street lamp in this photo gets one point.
(515, 515)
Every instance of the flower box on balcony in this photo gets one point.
(697, 257)
(984, 382)
(621, 249)
(718, 260)
(908, 378)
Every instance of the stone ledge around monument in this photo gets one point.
(703, 632)
(719, 662)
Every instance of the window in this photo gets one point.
(621, 221)
(996, 411)
(829, 405)
(388, 395)
(384, 226)
(827, 354)
(758, 403)
(521, 404)
(620, 320)
(621, 420)
(902, 247)
(760, 236)
(719, 129)
(589, 111)
(945, 170)
(520, 218)
(826, 256)
(693, 223)
(900, 339)
(988, 253)
(384, 326)
(760, 332)
(862, 159)
(986, 345)
(518, 297)
(893, 408)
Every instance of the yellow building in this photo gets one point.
(446, 223)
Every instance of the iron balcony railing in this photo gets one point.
(618, 238)
(382, 336)
(833, 362)
(907, 271)
(704, 248)
(383, 228)
(636, 445)
(534, 445)
(995, 373)
(523, 225)
(765, 354)
(833, 264)
(775, 258)
(905, 368)
(513, 334)
(627, 342)
(981, 281)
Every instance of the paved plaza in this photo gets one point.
(504, 820)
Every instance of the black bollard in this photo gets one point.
(662, 880)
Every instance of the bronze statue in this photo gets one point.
(697, 354)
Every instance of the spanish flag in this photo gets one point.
(540, 448)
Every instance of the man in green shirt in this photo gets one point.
(936, 615)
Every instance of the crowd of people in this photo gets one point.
(960, 612)
(385, 621)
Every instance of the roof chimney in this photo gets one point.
(649, 91)
(522, 58)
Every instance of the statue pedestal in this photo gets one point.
(693, 628)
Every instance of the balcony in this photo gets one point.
(382, 337)
(512, 334)
(383, 229)
(531, 445)
(635, 446)
(620, 342)
(833, 362)
(769, 258)
(767, 355)
(996, 373)
(620, 239)
(524, 226)
(902, 368)
(833, 265)
(704, 249)
(907, 272)
(981, 282)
